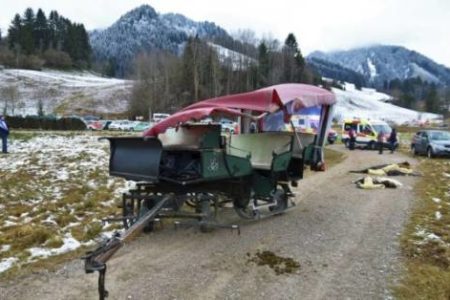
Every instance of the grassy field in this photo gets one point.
(333, 157)
(425, 242)
(54, 192)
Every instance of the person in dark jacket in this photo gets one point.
(393, 140)
(4, 132)
(352, 138)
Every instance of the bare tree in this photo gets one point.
(41, 95)
(10, 98)
(152, 90)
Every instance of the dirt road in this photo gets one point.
(344, 238)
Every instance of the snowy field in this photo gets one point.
(54, 191)
(65, 92)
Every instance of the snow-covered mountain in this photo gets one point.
(143, 29)
(378, 64)
(62, 92)
(370, 104)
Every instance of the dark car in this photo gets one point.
(332, 136)
(431, 143)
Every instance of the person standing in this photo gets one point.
(380, 138)
(352, 138)
(393, 140)
(4, 132)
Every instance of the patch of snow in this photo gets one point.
(372, 68)
(438, 215)
(62, 175)
(5, 248)
(418, 71)
(436, 200)
(92, 184)
(236, 59)
(9, 223)
(7, 263)
(69, 244)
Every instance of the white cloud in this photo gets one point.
(318, 25)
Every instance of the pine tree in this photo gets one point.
(40, 32)
(432, 100)
(26, 36)
(263, 65)
(293, 61)
(14, 32)
(53, 23)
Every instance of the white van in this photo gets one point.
(366, 132)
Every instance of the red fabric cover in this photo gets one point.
(269, 99)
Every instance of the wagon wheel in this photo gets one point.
(203, 206)
(282, 201)
(244, 211)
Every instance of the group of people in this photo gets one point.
(392, 140)
(4, 132)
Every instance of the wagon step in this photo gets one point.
(258, 215)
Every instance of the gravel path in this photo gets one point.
(344, 238)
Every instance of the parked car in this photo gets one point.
(431, 143)
(121, 125)
(332, 136)
(228, 126)
(95, 125)
(141, 126)
(159, 117)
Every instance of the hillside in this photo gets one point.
(63, 92)
(378, 64)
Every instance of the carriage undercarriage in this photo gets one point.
(201, 204)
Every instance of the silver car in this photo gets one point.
(431, 143)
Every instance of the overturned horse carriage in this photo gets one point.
(186, 169)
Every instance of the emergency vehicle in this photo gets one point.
(366, 132)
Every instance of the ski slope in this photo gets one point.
(370, 104)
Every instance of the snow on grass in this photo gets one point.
(7, 263)
(69, 244)
(5, 248)
(54, 191)
(66, 92)
(436, 200)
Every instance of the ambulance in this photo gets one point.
(366, 132)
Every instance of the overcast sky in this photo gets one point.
(421, 25)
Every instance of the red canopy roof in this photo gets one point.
(269, 99)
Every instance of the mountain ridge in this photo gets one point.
(381, 63)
